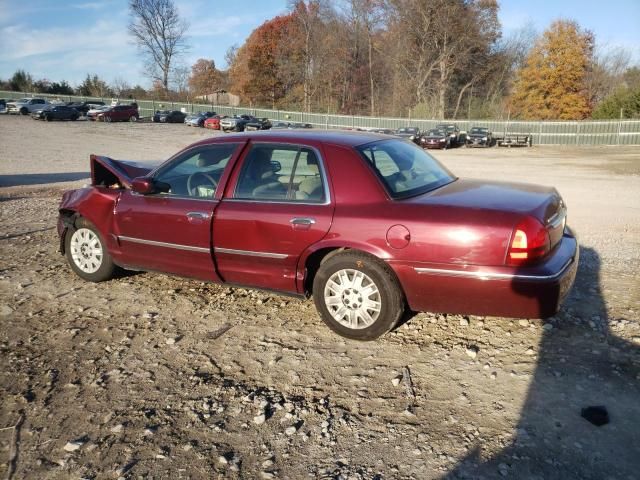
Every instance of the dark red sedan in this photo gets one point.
(369, 225)
(119, 113)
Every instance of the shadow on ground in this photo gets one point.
(41, 178)
(580, 363)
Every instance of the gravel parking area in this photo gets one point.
(149, 376)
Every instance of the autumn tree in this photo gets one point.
(255, 72)
(553, 82)
(205, 77)
(160, 34)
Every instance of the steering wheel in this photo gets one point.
(192, 191)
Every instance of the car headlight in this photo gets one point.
(412, 137)
(484, 139)
(443, 139)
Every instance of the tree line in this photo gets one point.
(405, 58)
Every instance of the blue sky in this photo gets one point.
(66, 39)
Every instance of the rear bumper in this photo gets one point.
(525, 292)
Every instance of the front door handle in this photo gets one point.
(302, 223)
(193, 216)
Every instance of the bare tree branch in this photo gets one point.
(159, 32)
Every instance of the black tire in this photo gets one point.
(74, 118)
(106, 266)
(47, 118)
(391, 298)
(133, 118)
(24, 111)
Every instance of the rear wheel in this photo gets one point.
(86, 252)
(358, 296)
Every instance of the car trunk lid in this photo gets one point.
(511, 202)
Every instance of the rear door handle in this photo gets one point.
(302, 223)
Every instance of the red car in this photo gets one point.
(119, 113)
(367, 224)
(213, 122)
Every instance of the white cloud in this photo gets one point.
(21, 41)
(90, 5)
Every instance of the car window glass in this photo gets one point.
(197, 172)
(281, 173)
(404, 168)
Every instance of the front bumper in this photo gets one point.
(523, 292)
(477, 142)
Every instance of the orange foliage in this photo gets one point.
(256, 74)
(552, 83)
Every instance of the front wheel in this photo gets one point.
(87, 254)
(358, 296)
(133, 118)
(24, 111)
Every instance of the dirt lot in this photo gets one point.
(148, 376)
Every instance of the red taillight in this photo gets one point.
(530, 241)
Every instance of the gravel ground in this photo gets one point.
(149, 376)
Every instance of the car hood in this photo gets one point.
(125, 171)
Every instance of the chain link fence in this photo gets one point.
(586, 132)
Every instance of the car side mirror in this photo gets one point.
(146, 186)
(143, 185)
(276, 166)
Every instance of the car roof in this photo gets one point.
(336, 137)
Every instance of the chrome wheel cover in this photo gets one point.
(86, 250)
(352, 298)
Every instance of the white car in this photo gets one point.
(25, 106)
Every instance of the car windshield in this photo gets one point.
(479, 130)
(406, 130)
(404, 168)
(435, 133)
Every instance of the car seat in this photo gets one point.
(311, 187)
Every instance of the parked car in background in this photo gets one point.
(198, 119)
(119, 113)
(435, 138)
(84, 107)
(384, 131)
(366, 224)
(92, 113)
(213, 123)
(289, 125)
(56, 112)
(452, 131)
(479, 137)
(410, 133)
(169, 116)
(236, 123)
(258, 124)
(3, 105)
(25, 106)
